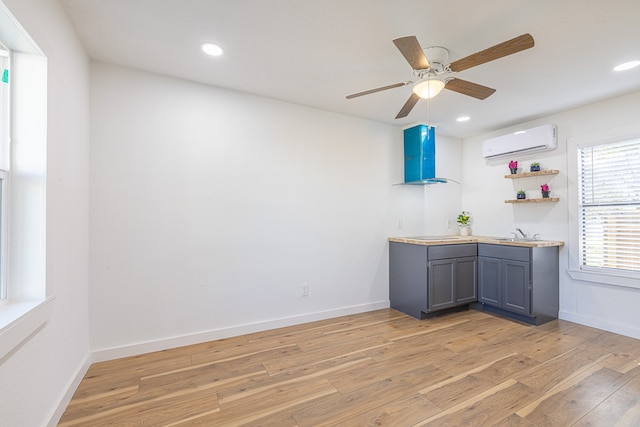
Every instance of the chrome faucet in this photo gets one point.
(524, 236)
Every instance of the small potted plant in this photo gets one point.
(521, 195)
(534, 167)
(545, 191)
(513, 167)
(464, 221)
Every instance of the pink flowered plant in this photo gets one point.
(544, 187)
(513, 164)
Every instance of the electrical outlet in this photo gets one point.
(448, 223)
(305, 289)
(400, 224)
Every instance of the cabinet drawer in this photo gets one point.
(451, 251)
(504, 252)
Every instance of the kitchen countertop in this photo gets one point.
(454, 239)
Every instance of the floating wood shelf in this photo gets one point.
(536, 200)
(530, 174)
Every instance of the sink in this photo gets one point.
(516, 239)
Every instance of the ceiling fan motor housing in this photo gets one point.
(438, 57)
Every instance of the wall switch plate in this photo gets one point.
(305, 289)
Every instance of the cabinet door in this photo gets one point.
(465, 280)
(441, 291)
(516, 286)
(489, 281)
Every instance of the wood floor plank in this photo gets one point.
(625, 404)
(549, 374)
(157, 411)
(625, 352)
(238, 352)
(563, 327)
(404, 412)
(360, 377)
(464, 386)
(105, 376)
(551, 345)
(483, 409)
(337, 349)
(567, 405)
(514, 421)
(422, 329)
(255, 407)
(341, 407)
(410, 348)
(381, 368)
(267, 384)
(471, 371)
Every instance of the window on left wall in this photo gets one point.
(27, 301)
(5, 104)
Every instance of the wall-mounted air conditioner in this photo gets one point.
(540, 138)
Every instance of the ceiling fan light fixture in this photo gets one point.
(428, 88)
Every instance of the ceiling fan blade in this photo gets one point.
(509, 47)
(408, 106)
(378, 89)
(410, 48)
(468, 88)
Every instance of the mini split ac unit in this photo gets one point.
(541, 138)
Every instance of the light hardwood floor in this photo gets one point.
(381, 368)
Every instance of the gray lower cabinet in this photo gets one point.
(426, 279)
(519, 282)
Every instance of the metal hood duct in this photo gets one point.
(420, 156)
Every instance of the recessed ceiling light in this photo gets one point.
(211, 49)
(627, 66)
(463, 119)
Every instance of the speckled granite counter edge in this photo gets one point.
(454, 240)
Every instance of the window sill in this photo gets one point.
(625, 281)
(18, 321)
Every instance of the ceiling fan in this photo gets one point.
(435, 73)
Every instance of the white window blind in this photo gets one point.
(609, 198)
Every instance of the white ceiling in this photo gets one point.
(314, 53)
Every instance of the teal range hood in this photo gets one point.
(420, 156)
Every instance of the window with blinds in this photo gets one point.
(609, 211)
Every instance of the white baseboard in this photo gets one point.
(167, 343)
(54, 419)
(600, 324)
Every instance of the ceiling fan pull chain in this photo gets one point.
(429, 113)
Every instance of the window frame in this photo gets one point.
(30, 301)
(4, 229)
(5, 155)
(613, 277)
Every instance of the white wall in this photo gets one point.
(35, 377)
(443, 201)
(606, 307)
(210, 208)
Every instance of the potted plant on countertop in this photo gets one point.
(521, 195)
(464, 221)
(545, 191)
(513, 167)
(534, 167)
